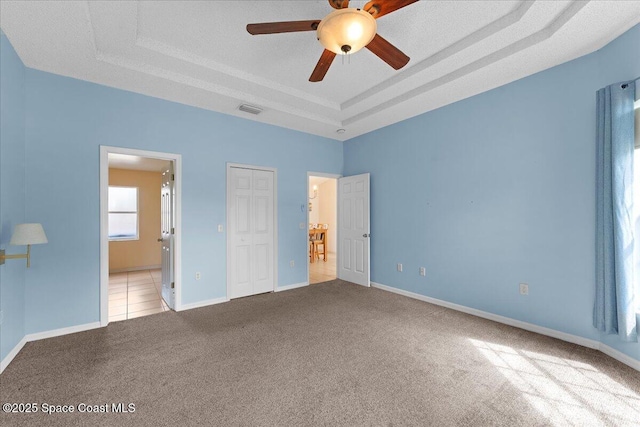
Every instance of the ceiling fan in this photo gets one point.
(345, 31)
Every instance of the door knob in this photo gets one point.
(366, 235)
(160, 239)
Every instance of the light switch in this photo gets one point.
(220, 228)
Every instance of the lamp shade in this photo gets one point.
(347, 30)
(28, 234)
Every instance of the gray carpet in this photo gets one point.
(328, 354)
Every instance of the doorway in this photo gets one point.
(323, 225)
(139, 233)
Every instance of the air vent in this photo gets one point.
(251, 109)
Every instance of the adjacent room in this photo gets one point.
(331, 212)
(135, 236)
(323, 225)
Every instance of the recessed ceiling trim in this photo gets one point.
(529, 41)
(492, 28)
(173, 52)
(146, 68)
(92, 33)
(152, 70)
(474, 38)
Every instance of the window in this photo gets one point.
(123, 213)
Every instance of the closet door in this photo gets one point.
(250, 227)
(263, 236)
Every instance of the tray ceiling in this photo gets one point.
(199, 53)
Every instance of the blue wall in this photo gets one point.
(496, 190)
(12, 192)
(66, 122)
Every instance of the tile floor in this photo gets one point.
(321, 271)
(138, 293)
(135, 294)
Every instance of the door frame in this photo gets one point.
(105, 150)
(306, 236)
(275, 218)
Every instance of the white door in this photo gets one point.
(167, 224)
(250, 226)
(353, 229)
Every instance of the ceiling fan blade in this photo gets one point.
(378, 8)
(339, 4)
(388, 52)
(322, 66)
(282, 27)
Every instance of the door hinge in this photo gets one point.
(173, 230)
(173, 177)
(173, 285)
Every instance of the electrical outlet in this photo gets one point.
(220, 228)
(423, 271)
(198, 275)
(292, 263)
(524, 289)
(399, 267)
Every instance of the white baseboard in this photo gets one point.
(204, 303)
(289, 287)
(42, 335)
(126, 270)
(620, 356)
(574, 339)
(62, 331)
(13, 353)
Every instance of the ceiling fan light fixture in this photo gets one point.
(346, 31)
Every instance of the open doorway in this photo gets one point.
(139, 256)
(323, 226)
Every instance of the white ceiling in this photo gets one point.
(125, 161)
(317, 180)
(199, 53)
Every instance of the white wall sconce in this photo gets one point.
(315, 193)
(25, 234)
